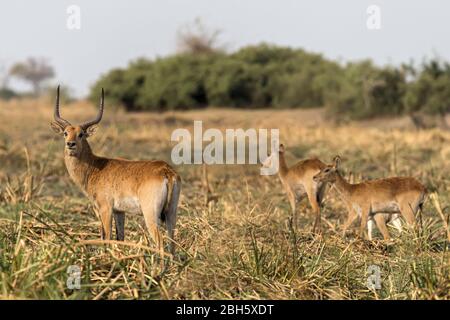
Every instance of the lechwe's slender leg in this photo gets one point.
(170, 224)
(152, 203)
(105, 214)
(350, 218)
(153, 228)
(293, 202)
(370, 225)
(365, 211)
(312, 197)
(408, 214)
(381, 224)
(119, 219)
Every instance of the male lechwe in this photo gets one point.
(116, 186)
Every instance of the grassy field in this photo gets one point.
(239, 247)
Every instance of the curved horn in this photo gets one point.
(99, 115)
(62, 122)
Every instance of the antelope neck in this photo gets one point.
(343, 187)
(81, 167)
(283, 168)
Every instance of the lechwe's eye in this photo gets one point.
(65, 134)
(326, 170)
(80, 135)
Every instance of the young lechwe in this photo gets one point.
(116, 186)
(380, 200)
(298, 183)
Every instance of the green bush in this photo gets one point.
(267, 76)
(305, 82)
(6, 94)
(366, 91)
(176, 82)
(231, 82)
(430, 92)
(123, 86)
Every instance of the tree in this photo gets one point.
(4, 76)
(198, 39)
(33, 70)
(5, 92)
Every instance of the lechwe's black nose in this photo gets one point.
(71, 144)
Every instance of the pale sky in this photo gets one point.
(114, 32)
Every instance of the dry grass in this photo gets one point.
(240, 246)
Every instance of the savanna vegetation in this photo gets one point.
(242, 245)
(268, 76)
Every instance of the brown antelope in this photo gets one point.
(116, 186)
(298, 182)
(381, 200)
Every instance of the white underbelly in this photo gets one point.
(129, 204)
(388, 207)
(388, 217)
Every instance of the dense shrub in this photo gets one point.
(123, 87)
(233, 83)
(266, 76)
(430, 92)
(176, 82)
(6, 94)
(305, 82)
(365, 91)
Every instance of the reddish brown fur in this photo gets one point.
(395, 195)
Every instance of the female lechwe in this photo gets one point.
(380, 200)
(297, 181)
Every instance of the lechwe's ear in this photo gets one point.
(90, 131)
(266, 163)
(57, 127)
(337, 162)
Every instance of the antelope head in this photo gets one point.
(75, 135)
(330, 172)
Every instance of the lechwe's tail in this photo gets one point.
(170, 208)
